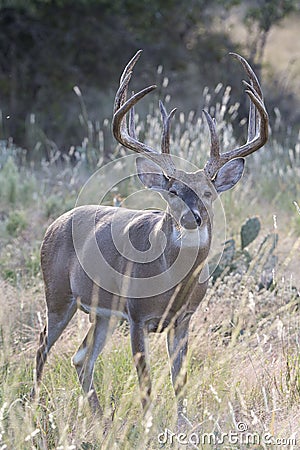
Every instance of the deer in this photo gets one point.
(76, 279)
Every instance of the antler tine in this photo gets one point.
(253, 121)
(257, 126)
(253, 118)
(121, 94)
(127, 136)
(129, 67)
(119, 125)
(215, 145)
(250, 72)
(122, 106)
(211, 166)
(166, 119)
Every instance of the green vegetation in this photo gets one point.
(50, 47)
(16, 223)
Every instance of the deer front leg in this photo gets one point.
(85, 357)
(139, 345)
(177, 341)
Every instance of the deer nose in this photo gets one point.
(198, 219)
(190, 220)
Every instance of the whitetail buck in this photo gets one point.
(74, 278)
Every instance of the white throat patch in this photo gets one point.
(195, 238)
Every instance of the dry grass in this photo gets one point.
(243, 367)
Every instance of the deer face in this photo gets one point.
(189, 195)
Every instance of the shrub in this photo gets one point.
(16, 223)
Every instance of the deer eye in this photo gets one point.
(207, 194)
(173, 192)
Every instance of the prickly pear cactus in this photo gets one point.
(240, 261)
(249, 231)
(225, 259)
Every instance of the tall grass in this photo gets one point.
(243, 367)
(243, 362)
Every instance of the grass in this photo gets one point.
(243, 361)
(243, 367)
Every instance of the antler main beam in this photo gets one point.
(257, 126)
(126, 135)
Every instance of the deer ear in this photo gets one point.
(229, 175)
(150, 174)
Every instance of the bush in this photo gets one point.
(16, 223)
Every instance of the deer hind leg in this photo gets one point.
(56, 323)
(86, 355)
(177, 342)
(139, 345)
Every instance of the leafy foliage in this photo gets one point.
(48, 47)
(268, 13)
(260, 17)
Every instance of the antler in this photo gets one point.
(257, 126)
(127, 135)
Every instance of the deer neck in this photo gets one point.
(179, 237)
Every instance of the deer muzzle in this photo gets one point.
(190, 220)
